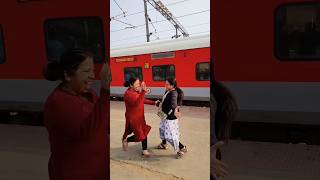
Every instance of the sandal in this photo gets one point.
(125, 144)
(184, 149)
(162, 146)
(180, 154)
(146, 153)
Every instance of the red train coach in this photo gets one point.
(33, 32)
(187, 60)
(268, 54)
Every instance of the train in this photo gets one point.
(43, 30)
(34, 32)
(186, 59)
(268, 54)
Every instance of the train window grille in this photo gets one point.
(163, 55)
(163, 72)
(135, 72)
(85, 32)
(297, 31)
(203, 71)
(2, 50)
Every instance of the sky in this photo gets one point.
(194, 15)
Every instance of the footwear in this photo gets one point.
(125, 144)
(146, 153)
(162, 146)
(184, 149)
(180, 154)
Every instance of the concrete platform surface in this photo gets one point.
(195, 131)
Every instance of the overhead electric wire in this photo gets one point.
(142, 35)
(190, 14)
(132, 26)
(119, 16)
(124, 13)
(122, 44)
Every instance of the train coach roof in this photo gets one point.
(163, 46)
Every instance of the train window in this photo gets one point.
(203, 71)
(86, 33)
(297, 31)
(163, 72)
(163, 55)
(2, 52)
(135, 72)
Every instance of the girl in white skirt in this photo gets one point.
(169, 127)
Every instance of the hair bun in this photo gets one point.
(53, 71)
(126, 84)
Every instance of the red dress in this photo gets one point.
(79, 135)
(135, 120)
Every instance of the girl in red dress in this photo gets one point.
(77, 119)
(135, 121)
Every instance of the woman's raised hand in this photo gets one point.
(143, 86)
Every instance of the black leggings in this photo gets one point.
(144, 142)
(181, 146)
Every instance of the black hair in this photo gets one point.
(174, 83)
(226, 110)
(130, 82)
(69, 63)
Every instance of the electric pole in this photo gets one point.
(161, 8)
(147, 18)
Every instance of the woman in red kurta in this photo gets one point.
(134, 99)
(77, 119)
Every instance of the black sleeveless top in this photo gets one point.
(169, 104)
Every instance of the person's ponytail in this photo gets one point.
(130, 82)
(53, 71)
(180, 96)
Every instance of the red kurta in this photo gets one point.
(135, 120)
(79, 135)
